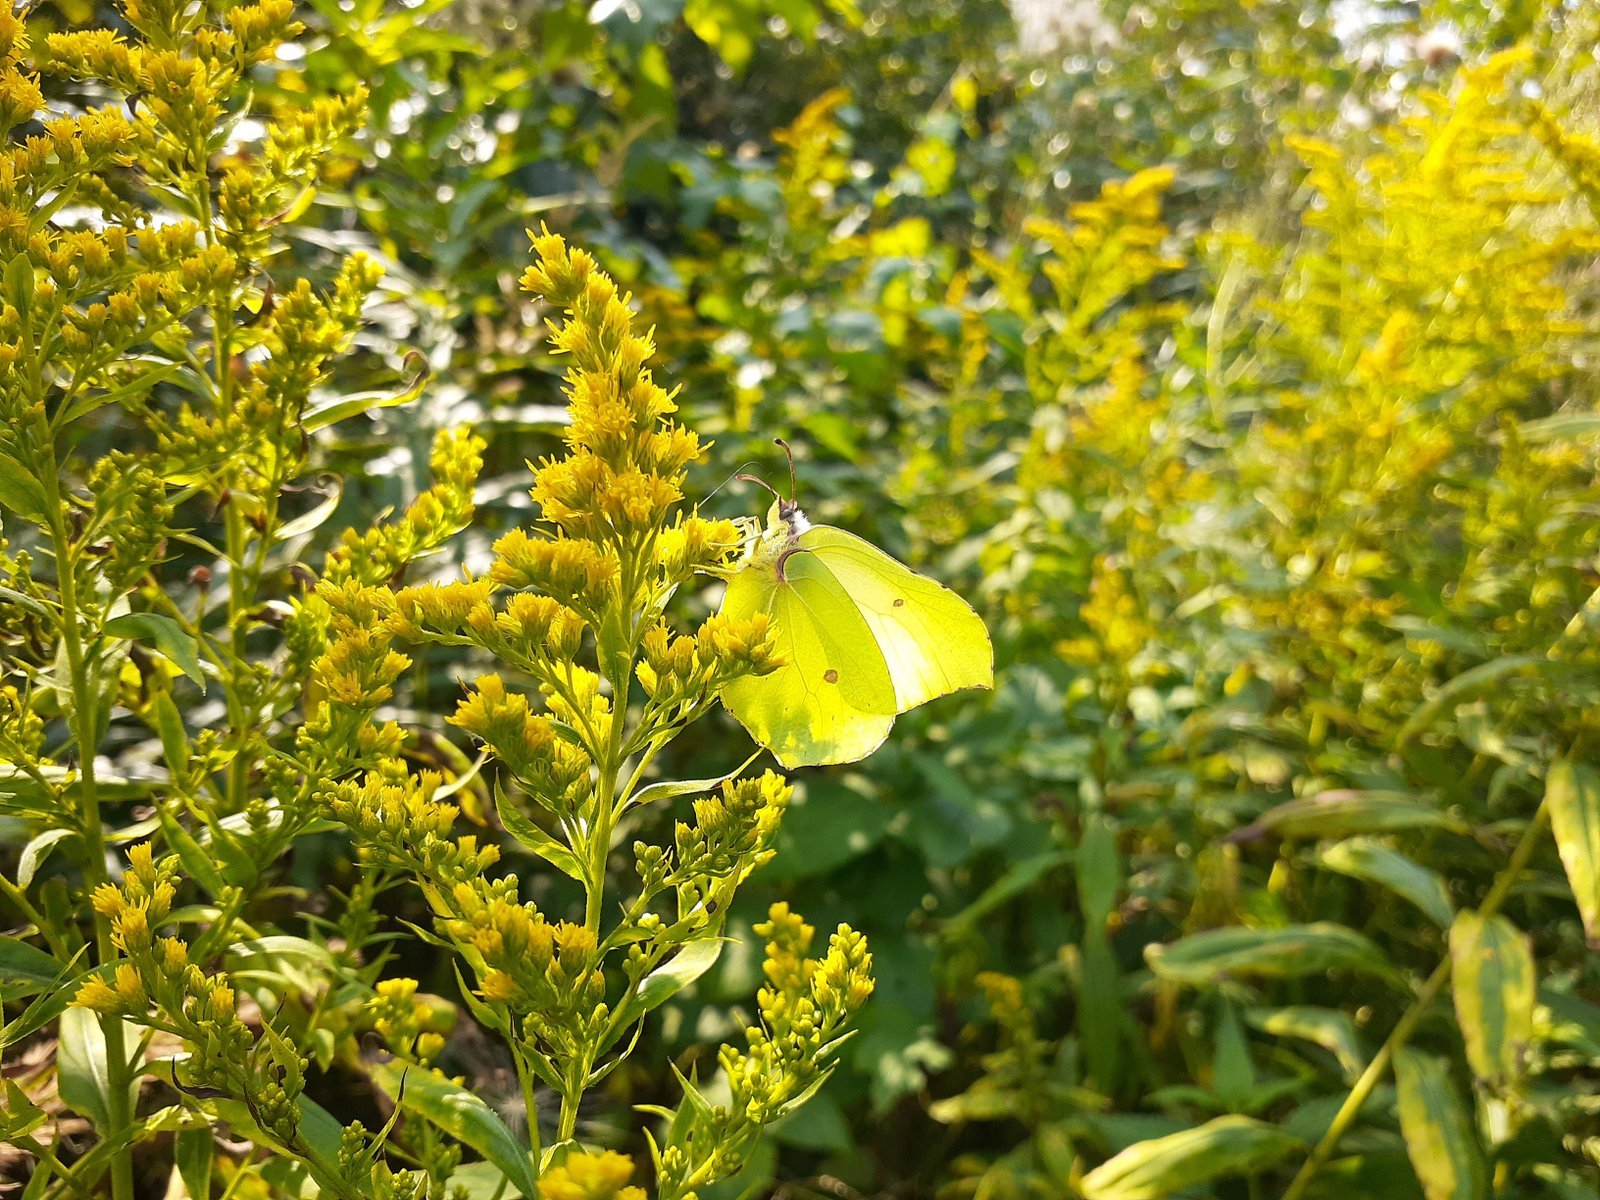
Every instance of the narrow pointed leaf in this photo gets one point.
(461, 1114)
(1374, 861)
(1342, 813)
(166, 635)
(1285, 953)
(1492, 976)
(666, 981)
(84, 1074)
(670, 789)
(20, 492)
(1329, 1028)
(530, 835)
(1572, 791)
(1162, 1166)
(25, 969)
(1469, 685)
(1440, 1138)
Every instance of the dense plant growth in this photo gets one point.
(1235, 360)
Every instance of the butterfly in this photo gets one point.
(862, 636)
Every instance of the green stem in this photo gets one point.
(1378, 1068)
(530, 1099)
(20, 900)
(85, 701)
(604, 817)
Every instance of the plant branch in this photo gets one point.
(1378, 1068)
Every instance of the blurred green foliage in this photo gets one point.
(1237, 360)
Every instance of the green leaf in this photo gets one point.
(1329, 1028)
(666, 981)
(1290, 952)
(197, 862)
(817, 1125)
(1559, 427)
(310, 521)
(166, 635)
(1468, 685)
(170, 729)
(20, 1116)
(461, 1114)
(1492, 976)
(1019, 878)
(25, 969)
(47, 1006)
(340, 408)
(82, 1066)
(319, 1132)
(1342, 813)
(1100, 994)
(1226, 1146)
(192, 1154)
(139, 385)
(1378, 862)
(830, 822)
(530, 835)
(1572, 792)
(28, 603)
(36, 851)
(672, 789)
(1438, 1131)
(20, 278)
(20, 491)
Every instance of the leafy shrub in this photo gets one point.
(156, 593)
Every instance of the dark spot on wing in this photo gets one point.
(899, 603)
(830, 675)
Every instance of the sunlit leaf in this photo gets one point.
(461, 1114)
(1378, 862)
(1154, 1169)
(1492, 977)
(1284, 953)
(1437, 1126)
(1572, 792)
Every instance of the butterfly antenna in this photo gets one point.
(728, 480)
(756, 479)
(794, 488)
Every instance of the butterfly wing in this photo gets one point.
(930, 638)
(833, 699)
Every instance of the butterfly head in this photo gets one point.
(770, 547)
(785, 518)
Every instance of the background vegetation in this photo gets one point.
(1237, 361)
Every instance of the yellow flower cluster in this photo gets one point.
(733, 831)
(410, 1026)
(1411, 335)
(805, 1007)
(438, 514)
(1118, 627)
(575, 606)
(1576, 151)
(396, 822)
(1112, 246)
(548, 974)
(611, 494)
(180, 76)
(681, 675)
(584, 1175)
(130, 493)
(553, 769)
(196, 1005)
